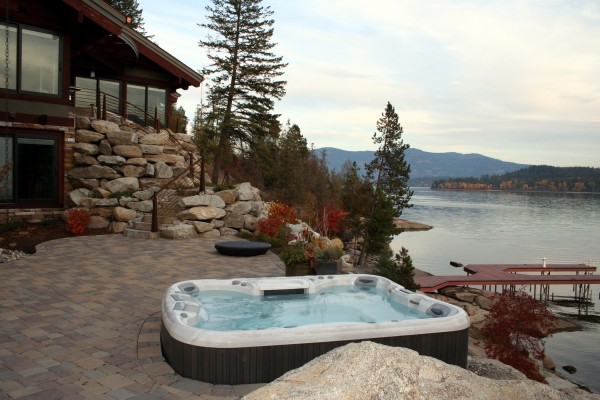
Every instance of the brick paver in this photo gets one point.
(80, 319)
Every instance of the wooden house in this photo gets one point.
(61, 56)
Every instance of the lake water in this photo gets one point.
(514, 228)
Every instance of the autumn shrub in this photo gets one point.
(77, 221)
(279, 215)
(514, 330)
(330, 220)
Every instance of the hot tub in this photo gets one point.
(221, 331)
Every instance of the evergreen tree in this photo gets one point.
(293, 152)
(131, 9)
(400, 269)
(178, 121)
(389, 174)
(244, 71)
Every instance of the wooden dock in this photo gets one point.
(512, 275)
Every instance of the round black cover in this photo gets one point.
(242, 248)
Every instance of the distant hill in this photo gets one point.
(533, 178)
(427, 167)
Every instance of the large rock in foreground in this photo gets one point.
(369, 370)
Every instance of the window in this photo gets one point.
(86, 90)
(33, 173)
(145, 100)
(34, 60)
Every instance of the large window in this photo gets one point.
(32, 168)
(145, 100)
(34, 60)
(86, 91)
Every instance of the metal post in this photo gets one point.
(154, 213)
(104, 107)
(98, 111)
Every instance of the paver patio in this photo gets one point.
(80, 319)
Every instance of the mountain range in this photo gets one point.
(427, 167)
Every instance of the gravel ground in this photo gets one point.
(7, 256)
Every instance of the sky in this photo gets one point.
(517, 80)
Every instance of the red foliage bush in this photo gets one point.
(514, 330)
(279, 215)
(330, 220)
(77, 221)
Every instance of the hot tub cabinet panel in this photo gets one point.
(236, 366)
(259, 356)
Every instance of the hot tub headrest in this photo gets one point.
(368, 281)
(437, 310)
(189, 288)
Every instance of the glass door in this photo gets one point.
(36, 169)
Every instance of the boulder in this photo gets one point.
(233, 220)
(151, 149)
(548, 363)
(127, 150)
(145, 194)
(250, 223)
(93, 171)
(98, 222)
(104, 126)
(137, 161)
(90, 184)
(170, 150)
(181, 231)
(245, 191)
(240, 207)
(202, 213)
(105, 212)
(85, 136)
(201, 226)
(111, 160)
(210, 234)
(122, 214)
(133, 171)
(162, 170)
(483, 302)
(159, 139)
(87, 149)
(493, 369)
(202, 200)
(101, 193)
(75, 197)
(83, 159)
(117, 227)
(126, 184)
(369, 370)
(107, 202)
(466, 297)
(228, 196)
(122, 138)
(337, 243)
(225, 231)
(183, 137)
(142, 206)
(171, 159)
(83, 122)
(105, 147)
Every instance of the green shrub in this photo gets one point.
(12, 225)
(51, 222)
(125, 193)
(294, 255)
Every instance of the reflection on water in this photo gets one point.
(513, 228)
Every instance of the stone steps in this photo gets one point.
(140, 234)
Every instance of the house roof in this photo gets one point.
(115, 23)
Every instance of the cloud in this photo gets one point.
(495, 77)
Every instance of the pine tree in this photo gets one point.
(389, 174)
(244, 71)
(178, 121)
(131, 9)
